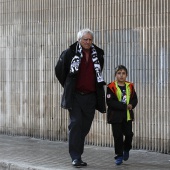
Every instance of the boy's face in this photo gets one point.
(121, 76)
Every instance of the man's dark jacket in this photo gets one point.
(68, 81)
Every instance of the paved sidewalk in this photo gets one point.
(24, 153)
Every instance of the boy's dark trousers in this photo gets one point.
(122, 143)
(81, 117)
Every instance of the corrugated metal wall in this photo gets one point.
(132, 32)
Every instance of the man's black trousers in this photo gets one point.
(81, 117)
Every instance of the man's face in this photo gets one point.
(86, 41)
(121, 76)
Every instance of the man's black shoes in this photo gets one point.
(83, 163)
(78, 163)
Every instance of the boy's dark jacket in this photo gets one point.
(68, 82)
(117, 111)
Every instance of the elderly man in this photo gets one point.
(79, 71)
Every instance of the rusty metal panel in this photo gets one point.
(33, 33)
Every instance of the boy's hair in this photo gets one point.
(121, 67)
(82, 32)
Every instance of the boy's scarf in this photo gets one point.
(76, 60)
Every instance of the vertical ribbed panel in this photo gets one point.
(33, 33)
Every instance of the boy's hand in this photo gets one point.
(129, 107)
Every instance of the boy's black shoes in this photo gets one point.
(78, 163)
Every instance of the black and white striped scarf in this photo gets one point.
(74, 67)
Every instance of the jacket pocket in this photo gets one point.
(109, 116)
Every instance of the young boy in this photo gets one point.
(121, 98)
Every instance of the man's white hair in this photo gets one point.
(82, 32)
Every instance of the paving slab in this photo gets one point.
(24, 153)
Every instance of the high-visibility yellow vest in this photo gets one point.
(116, 90)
